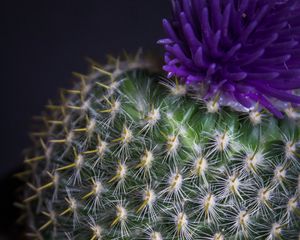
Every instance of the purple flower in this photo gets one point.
(244, 51)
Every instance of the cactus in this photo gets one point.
(131, 154)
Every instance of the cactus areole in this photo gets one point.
(211, 151)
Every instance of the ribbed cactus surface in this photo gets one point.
(120, 158)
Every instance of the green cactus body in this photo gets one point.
(121, 158)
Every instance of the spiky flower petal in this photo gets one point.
(239, 52)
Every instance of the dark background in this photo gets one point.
(41, 43)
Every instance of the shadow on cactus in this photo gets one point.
(130, 154)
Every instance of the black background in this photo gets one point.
(42, 42)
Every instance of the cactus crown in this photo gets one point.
(119, 158)
(240, 52)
